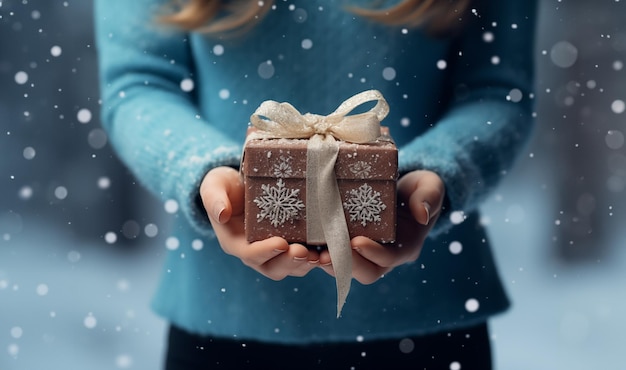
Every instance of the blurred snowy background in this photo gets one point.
(81, 243)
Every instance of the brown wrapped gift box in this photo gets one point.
(274, 172)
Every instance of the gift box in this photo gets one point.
(277, 171)
(321, 180)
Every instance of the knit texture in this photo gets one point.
(459, 106)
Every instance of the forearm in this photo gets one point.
(470, 162)
(165, 142)
(489, 116)
(155, 126)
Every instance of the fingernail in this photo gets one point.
(278, 251)
(314, 262)
(299, 259)
(327, 264)
(427, 209)
(218, 211)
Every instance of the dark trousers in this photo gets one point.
(464, 349)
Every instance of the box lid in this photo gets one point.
(286, 158)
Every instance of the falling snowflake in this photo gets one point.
(361, 169)
(364, 205)
(283, 167)
(278, 204)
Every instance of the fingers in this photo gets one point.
(273, 257)
(222, 194)
(383, 256)
(423, 192)
(297, 260)
(258, 253)
(370, 260)
(363, 270)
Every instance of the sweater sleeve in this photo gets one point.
(154, 124)
(489, 117)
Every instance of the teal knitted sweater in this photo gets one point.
(177, 104)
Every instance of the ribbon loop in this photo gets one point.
(281, 120)
(381, 109)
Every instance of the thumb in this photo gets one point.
(222, 194)
(423, 191)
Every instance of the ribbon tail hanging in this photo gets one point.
(328, 212)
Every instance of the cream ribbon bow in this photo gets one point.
(325, 219)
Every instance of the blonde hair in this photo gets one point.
(438, 17)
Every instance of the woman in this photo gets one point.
(179, 83)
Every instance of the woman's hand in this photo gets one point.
(420, 197)
(222, 194)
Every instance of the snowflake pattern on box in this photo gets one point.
(282, 168)
(364, 205)
(278, 204)
(361, 169)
